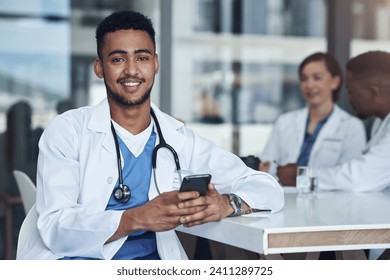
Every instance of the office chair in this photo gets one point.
(27, 189)
(28, 226)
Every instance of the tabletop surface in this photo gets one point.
(317, 212)
(327, 209)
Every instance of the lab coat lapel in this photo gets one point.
(300, 127)
(328, 130)
(100, 122)
(382, 128)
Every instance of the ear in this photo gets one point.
(156, 65)
(375, 91)
(98, 68)
(336, 80)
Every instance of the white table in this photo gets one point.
(323, 221)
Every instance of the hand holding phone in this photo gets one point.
(197, 183)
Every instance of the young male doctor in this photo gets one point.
(96, 195)
(368, 86)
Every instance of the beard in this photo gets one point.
(122, 100)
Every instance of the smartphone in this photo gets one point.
(197, 183)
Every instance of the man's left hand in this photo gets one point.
(218, 207)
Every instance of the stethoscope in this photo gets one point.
(122, 192)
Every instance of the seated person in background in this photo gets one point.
(84, 212)
(368, 86)
(321, 134)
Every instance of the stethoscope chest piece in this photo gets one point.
(122, 193)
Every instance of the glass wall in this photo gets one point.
(235, 64)
(34, 56)
(35, 71)
(371, 26)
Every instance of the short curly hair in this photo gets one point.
(370, 64)
(123, 20)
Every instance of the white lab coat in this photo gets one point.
(77, 171)
(342, 138)
(368, 172)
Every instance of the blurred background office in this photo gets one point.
(228, 67)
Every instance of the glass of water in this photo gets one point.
(306, 181)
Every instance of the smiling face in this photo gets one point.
(128, 66)
(317, 83)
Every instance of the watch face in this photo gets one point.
(236, 201)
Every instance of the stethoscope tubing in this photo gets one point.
(162, 144)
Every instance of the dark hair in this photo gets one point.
(331, 64)
(370, 64)
(123, 20)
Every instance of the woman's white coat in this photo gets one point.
(341, 139)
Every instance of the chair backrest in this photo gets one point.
(27, 189)
(27, 228)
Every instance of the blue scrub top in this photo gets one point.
(136, 172)
(308, 142)
(136, 175)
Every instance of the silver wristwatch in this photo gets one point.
(236, 203)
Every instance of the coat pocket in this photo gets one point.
(329, 154)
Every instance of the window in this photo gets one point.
(235, 65)
(34, 56)
(371, 26)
